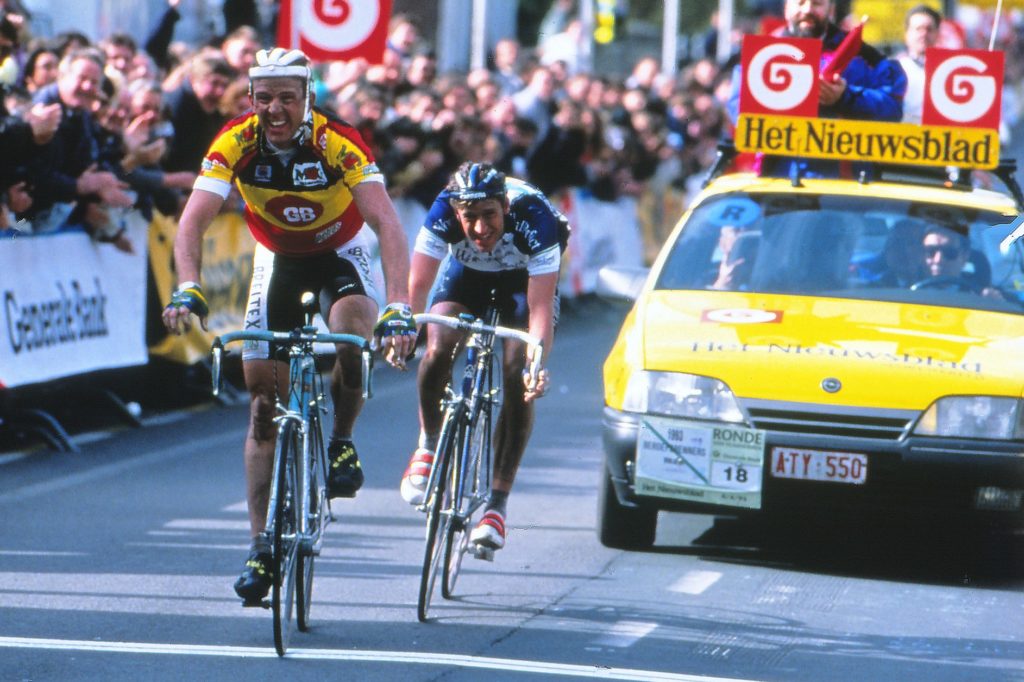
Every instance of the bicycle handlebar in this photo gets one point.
(478, 326)
(300, 336)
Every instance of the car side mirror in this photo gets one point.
(620, 282)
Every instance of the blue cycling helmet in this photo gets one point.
(476, 181)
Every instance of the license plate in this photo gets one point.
(699, 461)
(819, 465)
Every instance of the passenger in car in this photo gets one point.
(739, 253)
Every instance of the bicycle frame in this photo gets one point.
(460, 478)
(305, 408)
(480, 393)
(303, 412)
(305, 395)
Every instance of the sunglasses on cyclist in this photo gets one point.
(948, 252)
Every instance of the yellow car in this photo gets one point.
(821, 346)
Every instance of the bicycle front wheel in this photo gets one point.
(317, 510)
(464, 484)
(286, 525)
(439, 511)
(471, 482)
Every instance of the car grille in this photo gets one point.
(811, 419)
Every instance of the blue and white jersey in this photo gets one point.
(535, 234)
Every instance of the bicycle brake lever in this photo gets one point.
(217, 351)
(536, 358)
(367, 372)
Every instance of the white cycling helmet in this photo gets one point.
(281, 63)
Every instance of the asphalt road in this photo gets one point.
(117, 563)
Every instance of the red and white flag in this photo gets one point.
(335, 30)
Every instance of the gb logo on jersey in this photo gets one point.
(780, 76)
(963, 88)
(294, 211)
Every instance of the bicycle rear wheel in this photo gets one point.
(286, 524)
(316, 511)
(439, 507)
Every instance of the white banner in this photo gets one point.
(69, 305)
(603, 233)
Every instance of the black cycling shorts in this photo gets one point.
(278, 282)
(473, 289)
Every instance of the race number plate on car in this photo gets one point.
(817, 465)
(699, 462)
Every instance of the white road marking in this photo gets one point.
(695, 582)
(234, 547)
(242, 506)
(15, 552)
(625, 633)
(403, 657)
(12, 458)
(207, 524)
(213, 442)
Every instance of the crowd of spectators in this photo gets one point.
(89, 129)
(95, 127)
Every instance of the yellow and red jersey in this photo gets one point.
(297, 202)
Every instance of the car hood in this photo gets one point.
(790, 348)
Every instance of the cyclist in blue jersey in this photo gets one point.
(493, 234)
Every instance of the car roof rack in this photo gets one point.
(933, 176)
(950, 177)
(1007, 172)
(724, 157)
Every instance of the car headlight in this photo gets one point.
(976, 416)
(681, 395)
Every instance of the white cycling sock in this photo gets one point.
(428, 441)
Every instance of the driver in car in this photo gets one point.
(946, 252)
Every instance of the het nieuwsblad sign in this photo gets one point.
(779, 103)
(900, 143)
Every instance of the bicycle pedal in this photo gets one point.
(256, 604)
(481, 552)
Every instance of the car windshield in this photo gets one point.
(848, 247)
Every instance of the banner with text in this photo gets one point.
(778, 110)
(227, 268)
(901, 143)
(71, 306)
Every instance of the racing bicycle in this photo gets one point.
(299, 509)
(459, 484)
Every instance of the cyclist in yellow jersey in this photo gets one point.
(310, 187)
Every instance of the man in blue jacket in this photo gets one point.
(870, 88)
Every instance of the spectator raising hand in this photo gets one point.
(105, 185)
(43, 119)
